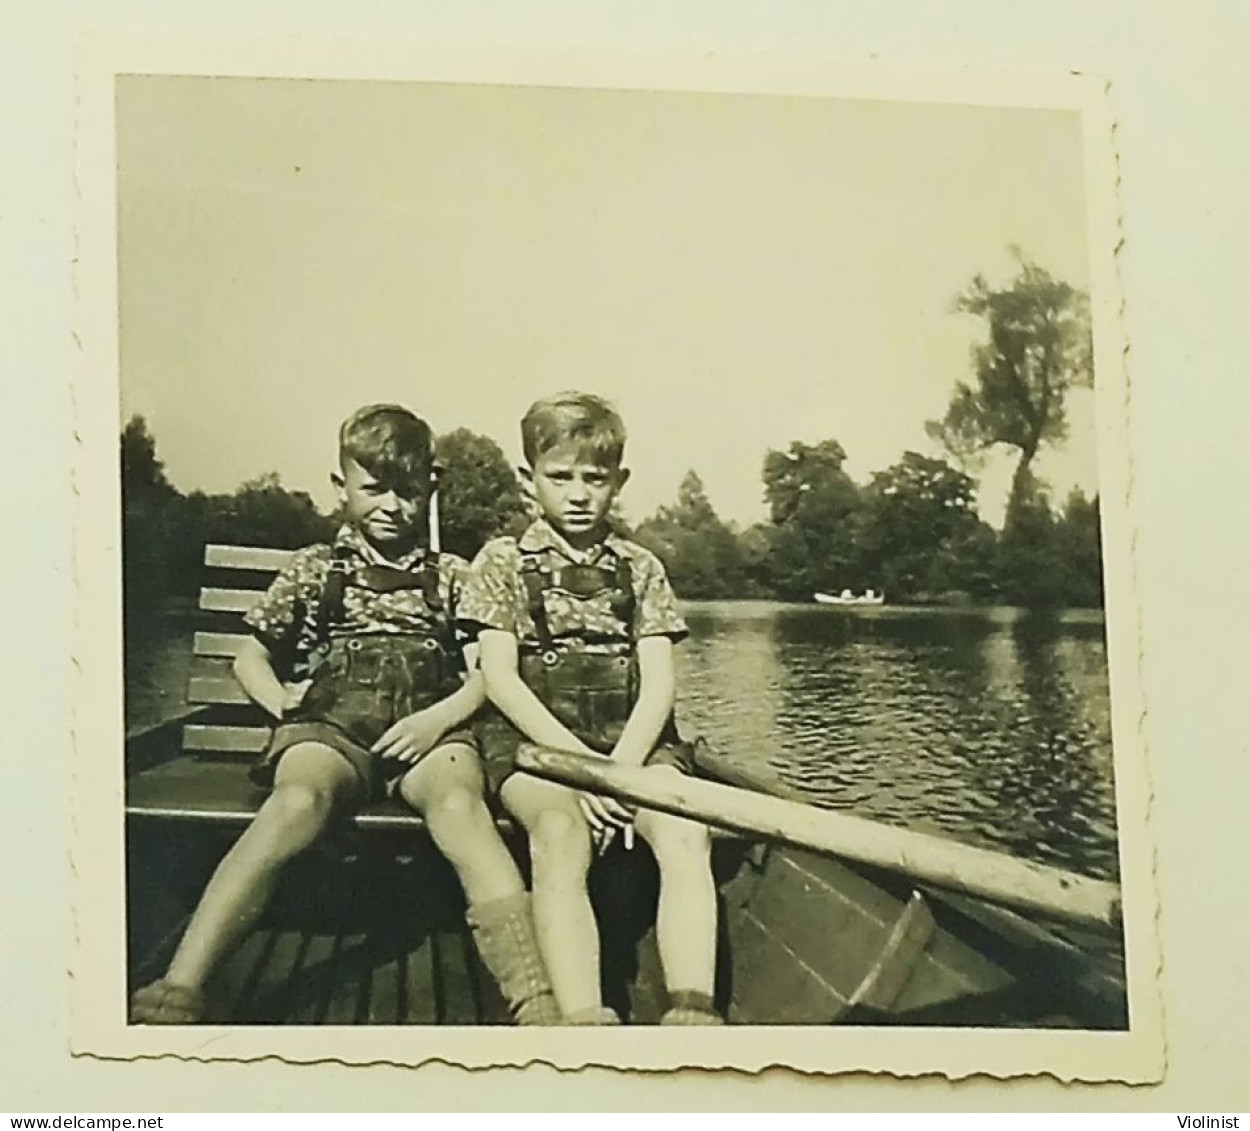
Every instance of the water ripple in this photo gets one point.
(986, 725)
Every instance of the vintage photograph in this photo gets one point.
(591, 557)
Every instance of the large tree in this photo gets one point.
(814, 505)
(1079, 546)
(1037, 347)
(151, 524)
(699, 549)
(914, 513)
(143, 472)
(479, 493)
(262, 512)
(1030, 569)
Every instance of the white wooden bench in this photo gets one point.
(195, 768)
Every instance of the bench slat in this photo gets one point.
(225, 739)
(225, 644)
(214, 600)
(262, 558)
(213, 689)
(218, 792)
(191, 789)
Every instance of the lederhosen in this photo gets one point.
(588, 681)
(363, 682)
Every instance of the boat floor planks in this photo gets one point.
(369, 929)
(777, 987)
(343, 1006)
(288, 977)
(805, 939)
(317, 976)
(389, 984)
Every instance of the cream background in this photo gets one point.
(102, 282)
(1182, 98)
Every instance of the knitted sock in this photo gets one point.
(595, 1015)
(504, 933)
(163, 1003)
(691, 1007)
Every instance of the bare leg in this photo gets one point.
(686, 919)
(311, 779)
(560, 853)
(446, 787)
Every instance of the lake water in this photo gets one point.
(990, 725)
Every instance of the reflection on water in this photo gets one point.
(158, 666)
(989, 725)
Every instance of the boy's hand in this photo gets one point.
(294, 695)
(412, 737)
(606, 816)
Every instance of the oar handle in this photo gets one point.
(989, 875)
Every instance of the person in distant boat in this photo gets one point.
(371, 620)
(576, 628)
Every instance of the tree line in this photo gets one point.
(912, 531)
(165, 531)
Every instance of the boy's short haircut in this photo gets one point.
(391, 443)
(582, 418)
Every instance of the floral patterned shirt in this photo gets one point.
(284, 619)
(495, 595)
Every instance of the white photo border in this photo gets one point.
(98, 1024)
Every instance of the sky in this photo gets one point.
(735, 272)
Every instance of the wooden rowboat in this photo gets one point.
(849, 599)
(368, 926)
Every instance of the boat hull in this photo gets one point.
(368, 928)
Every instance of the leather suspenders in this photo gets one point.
(578, 581)
(331, 609)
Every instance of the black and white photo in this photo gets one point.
(722, 475)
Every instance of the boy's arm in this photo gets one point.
(415, 735)
(274, 623)
(253, 668)
(511, 695)
(656, 693)
(530, 716)
(412, 737)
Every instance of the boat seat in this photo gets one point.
(195, 788)
(194, 768)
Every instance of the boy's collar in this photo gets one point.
(350, 538)
(541, 535)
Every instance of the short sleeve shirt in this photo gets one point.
(495, 595)
(284, 619)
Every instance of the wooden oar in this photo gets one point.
(990, 875)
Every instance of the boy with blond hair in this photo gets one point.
(372, 618)
(576, 628)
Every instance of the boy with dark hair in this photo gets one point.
(372, 618)
(576, 629)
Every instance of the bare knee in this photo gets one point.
(453, 810)
(677, 842)
(299, 810)
(559, 841)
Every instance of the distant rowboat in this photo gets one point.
(846, 597)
